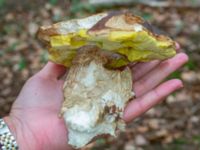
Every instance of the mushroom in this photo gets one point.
(96, 91)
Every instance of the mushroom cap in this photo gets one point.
(122, 36)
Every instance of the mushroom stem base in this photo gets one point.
(94, 98)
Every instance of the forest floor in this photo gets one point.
(172, 125)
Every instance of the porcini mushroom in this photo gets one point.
(95, 90)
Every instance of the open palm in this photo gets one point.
(34, 115)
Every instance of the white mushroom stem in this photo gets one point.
(95, 98)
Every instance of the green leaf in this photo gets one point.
(196, 138)
(191, 65)
(90, 8)
(53, 2)
(180, 141)
(2, 3)
(176, 74)
(22, 64)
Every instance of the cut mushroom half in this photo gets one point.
(95, 90)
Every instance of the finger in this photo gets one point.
(178, 47)
(140, 105)
(157, 75)
(141, 69)
(52, 70)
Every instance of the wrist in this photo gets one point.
(22, 136)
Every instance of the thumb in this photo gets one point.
(52, 70)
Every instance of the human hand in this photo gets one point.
(148, 86)
(34, 115)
